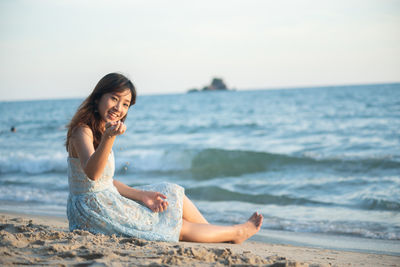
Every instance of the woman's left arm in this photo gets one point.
(153, 200)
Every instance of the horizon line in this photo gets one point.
(231, 89)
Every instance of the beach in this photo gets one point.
(321, 164)
(45, 240)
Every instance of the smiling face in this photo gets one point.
(114, 106)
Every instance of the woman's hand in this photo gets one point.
(115, 128)
(155, 201)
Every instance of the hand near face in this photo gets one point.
(155, 201)
(115, 128)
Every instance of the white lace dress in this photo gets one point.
(97, 206)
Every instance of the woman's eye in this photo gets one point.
(126, 105)
(114, 98)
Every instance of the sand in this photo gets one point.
(41, 240)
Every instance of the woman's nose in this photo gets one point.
(118, 107)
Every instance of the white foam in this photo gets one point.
(130, 161)
(31, 194)
(33, 164)
(154, 160)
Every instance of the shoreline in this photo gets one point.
(45, 240)
(268, 236)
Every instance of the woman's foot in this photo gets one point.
(249, 228)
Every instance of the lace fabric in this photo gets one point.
(97, 206)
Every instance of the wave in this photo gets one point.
(46, 193)
(199, 164)
(345, 228)
(210, 163)
(378, 204)
(215, 193)
(33, 164)
(31, 194)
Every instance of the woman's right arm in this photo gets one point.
(94, 161)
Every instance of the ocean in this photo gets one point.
(321, 164)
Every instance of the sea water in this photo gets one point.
(321, 164)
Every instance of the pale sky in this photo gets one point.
(61, 48)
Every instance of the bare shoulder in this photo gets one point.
(82, 142)
(82, 131)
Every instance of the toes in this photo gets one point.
(253, 216)
(256, 219)
(260, 220)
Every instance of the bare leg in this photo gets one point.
(191, 213)
(208, 233)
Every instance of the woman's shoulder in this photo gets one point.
(81, 137)
(82, 130)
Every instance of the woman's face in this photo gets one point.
(114, 106)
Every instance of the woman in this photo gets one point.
(100, 204)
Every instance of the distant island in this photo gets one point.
(217, 84)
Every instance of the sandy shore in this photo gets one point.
(41, 240)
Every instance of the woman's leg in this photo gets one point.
(208, 233)
(191, 213)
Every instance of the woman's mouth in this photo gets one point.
(112, 115)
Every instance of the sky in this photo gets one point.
(61, 48)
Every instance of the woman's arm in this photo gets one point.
(94, 161)
(153, 200)
(128, 191)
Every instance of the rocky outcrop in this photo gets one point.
(217, 84)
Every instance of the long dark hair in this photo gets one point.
(87, 114)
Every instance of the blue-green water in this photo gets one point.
(313, 160)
